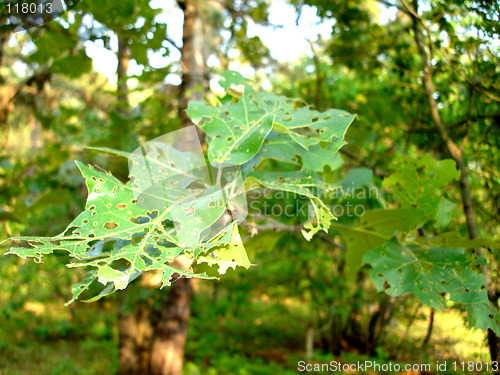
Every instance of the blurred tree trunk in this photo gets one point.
(153, 334)
(193, 59)
(153, 330)
(2, 44)
(123, 56)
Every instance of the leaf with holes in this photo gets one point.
(175, 205)
(303, 183)
(417, 182)
(483, 316)
(118, 238)
(229, 256)
(237, 131)
(282, 147)
(428, 273)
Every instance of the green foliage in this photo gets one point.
(417, 183)
(433, 275)
(118, 238)
(375, 227)
(429, 273)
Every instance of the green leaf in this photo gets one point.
(444, 213)
(455, 239)
(282, 147)
(80, 287)
(375, 228)
(231, 255)
(357, 177)
(121, 239)
(232, 78)
(417, 181)
(304, 183)
(427, 273)
(237, 132)
(73, 65)
(308, 127)
(483, 316)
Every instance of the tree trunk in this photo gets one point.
(153, 325)
(123, 57)
(153, 334)
(193, 59)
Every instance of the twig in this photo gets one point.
(168, 39)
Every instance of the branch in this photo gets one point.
(453, 149)
(324, 237)
(168, 39)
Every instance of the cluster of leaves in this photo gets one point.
(117, 237)
(435, 267)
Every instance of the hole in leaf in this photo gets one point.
(229, 139)
(92, 208)
(467, 290)
(205, 119)
(146, 260)
(110, 225)
(85, 221)
(380, 274)
(120, 264)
